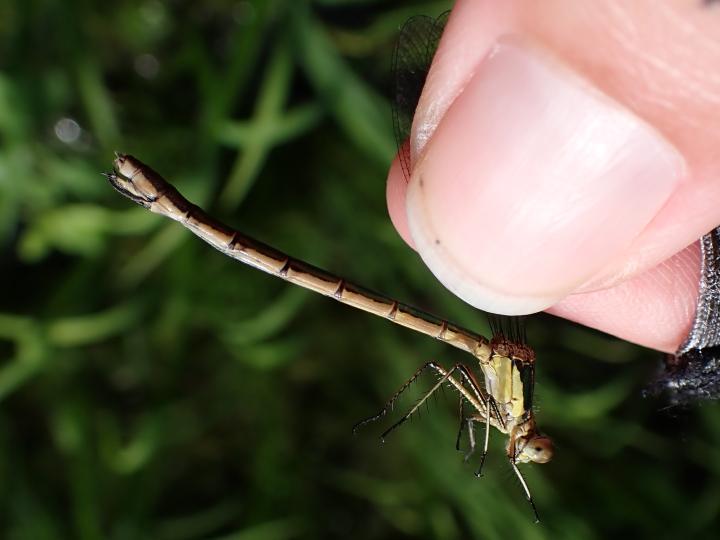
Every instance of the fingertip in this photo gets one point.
(395, 192)
(602, 244)
(533, 182)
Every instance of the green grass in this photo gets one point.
(152, 389)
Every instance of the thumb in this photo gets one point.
(548, 167)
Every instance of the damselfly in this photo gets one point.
(508, 364)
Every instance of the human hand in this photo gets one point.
(565, 155)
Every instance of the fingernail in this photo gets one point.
(533, 182)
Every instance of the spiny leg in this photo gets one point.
(471, 437)
(478, 473)
(476, 398)
(525, 488)
(445, 376)
(490, 408)
(391, 403)
(461, 414)
(482, 401)
(471, 431)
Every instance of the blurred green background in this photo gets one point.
(154, 389)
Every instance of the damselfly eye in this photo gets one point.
(539, 449)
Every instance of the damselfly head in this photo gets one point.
(536, 448)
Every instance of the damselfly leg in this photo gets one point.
(471, 435)
(469, 391)
(390, 405)
(525, 487)
(469, 423)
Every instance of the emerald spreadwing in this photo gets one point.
(507, 363)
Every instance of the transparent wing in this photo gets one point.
(414, 51)
(510, 327)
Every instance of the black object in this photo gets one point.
(693, 372)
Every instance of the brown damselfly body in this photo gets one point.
(507, 363)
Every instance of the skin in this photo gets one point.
(654, 61)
